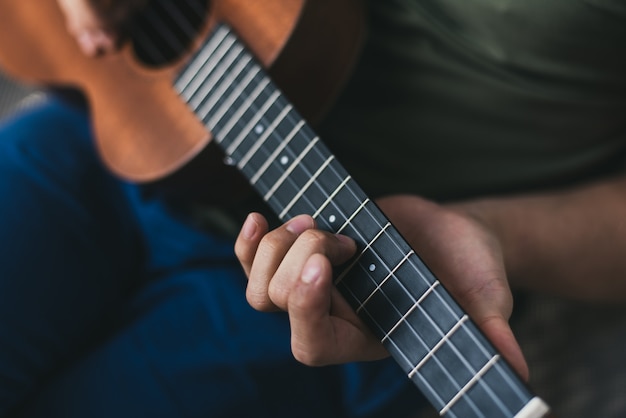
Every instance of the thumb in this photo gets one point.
(498, 331)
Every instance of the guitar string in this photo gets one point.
(156, 23)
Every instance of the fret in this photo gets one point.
(379, 264)
(363, 252)
(306, 187)
(286, 144)
(293, 174)
(237, 117)
(379, 286)
(218, 85)
(206, 60)
(321, 201)
(441, 342)
(475, 379)
(290, 174)
(404, 319)
(331, 219)
(260, 141)
(395, 296)
(228, 99)
(365, 224)
(435, 343)
(383, 255)
(348, 221)
(273, 157)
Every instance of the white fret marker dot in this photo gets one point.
(372, 267)
(332, 219)
(259, 129)
(229, 161)
(284, 160)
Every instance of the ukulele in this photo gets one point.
(199, 75)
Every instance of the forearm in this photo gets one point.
(571, 243)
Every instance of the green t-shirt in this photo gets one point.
(458, 98)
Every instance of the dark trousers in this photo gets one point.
(113, 304)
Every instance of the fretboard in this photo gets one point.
(432, 339)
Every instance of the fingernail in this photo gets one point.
(311, 273)
(299, 224)
(249, 227)
(345, 239)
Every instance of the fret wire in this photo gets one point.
(463, 359)
(479, 345)
(453, 346)
(199, 90)
(235, 119)
(209, 85)
(441, 342)
(380, 285)
(441, 366)
(331, 197)
(469, 384)
(289, 170)
(358, 257)
(240, 165)
(329, 192)
(434, 393)
(211, 53)
(306, 186)
(512, 384)
(261, 139)
(356, 212)
(222, 88)
(277, 151)
(415, 306)
(448, 307)
(461, 356)
(222, 85)
(445, 338)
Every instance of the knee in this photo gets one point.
(51, 134)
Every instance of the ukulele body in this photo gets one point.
(143, 131)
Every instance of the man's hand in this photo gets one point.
(290, 269)
(97, 24)
(467, 258)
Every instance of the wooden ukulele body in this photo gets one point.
(143, 130)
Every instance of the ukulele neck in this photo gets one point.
(428, 334)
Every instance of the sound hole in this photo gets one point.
(164, 30)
